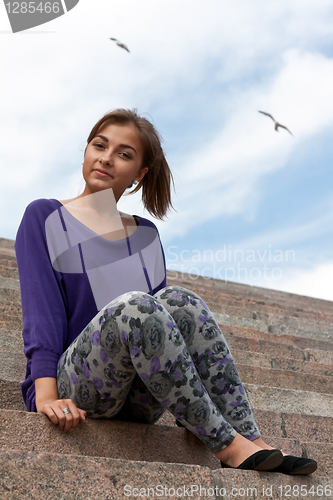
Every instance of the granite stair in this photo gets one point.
(283, 348)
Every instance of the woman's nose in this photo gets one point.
(106, 159)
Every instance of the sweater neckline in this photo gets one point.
(96, 235)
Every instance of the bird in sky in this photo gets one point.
(122, 45)
(276, 123)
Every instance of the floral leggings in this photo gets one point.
(141, 355)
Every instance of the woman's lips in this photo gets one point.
(101, 173)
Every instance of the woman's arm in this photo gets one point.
(48, 402)
(44, 310)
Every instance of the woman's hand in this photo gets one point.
(48, 402)
(65, 421)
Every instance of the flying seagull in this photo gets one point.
(276, 123)
(122, 45)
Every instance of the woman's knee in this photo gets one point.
(177, 297)
(126, 298)
(175, 291)
(127, 306)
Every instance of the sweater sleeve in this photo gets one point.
(42, 293)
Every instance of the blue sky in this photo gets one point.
(201, 70)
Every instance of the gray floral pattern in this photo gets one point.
(209, 329)
(86, 396)
(153, 335)
(197, 413)
(84, 344)
(186, 324)
(231, 375)
(110, 337)
(175, 336)
(159, 384)
(241, 409)
(247, 428)
(141, 355)
(64, 384)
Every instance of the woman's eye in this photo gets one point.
(98, 145)
(126, 155)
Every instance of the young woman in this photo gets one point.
(104, 336)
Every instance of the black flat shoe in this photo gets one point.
(261, 460)
(296, 465)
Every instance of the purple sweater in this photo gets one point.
(67, 274)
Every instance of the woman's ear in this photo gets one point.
(141, 174)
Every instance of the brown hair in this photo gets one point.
(156, 184)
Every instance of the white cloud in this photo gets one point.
(218, 59)
(223, 173)
(316, 282)
(296, 233)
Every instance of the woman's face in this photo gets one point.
(113, 160)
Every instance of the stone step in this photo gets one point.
(263, 295)
(12, 366)
(10, 284)
(8, 260)
(260, 396)
(294, 426)
(11, 340)
(273, 348)
(104, 438)
(231, 484)
(7, 247)
(130, 441)
(323, 455)
(6, 243)
(10, 395)
(255, 309)
(288, 317)
(290, 425)
(296, 341)
(8, 266)
(8, 272)
(266, 361)
(73, 477)
(244, 350)
(288, 400)
(308, 332)
(271, 377)
(282, 325)
(238, 316)
(237, 337)
(295, 434)
(10, 304)
(10, 317)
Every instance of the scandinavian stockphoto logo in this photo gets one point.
(25, 15)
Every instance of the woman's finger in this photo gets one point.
(72, 418)
(66, 420)
(83, 414)
(62, 420)
(48, 411)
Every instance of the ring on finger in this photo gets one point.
(66, 411)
